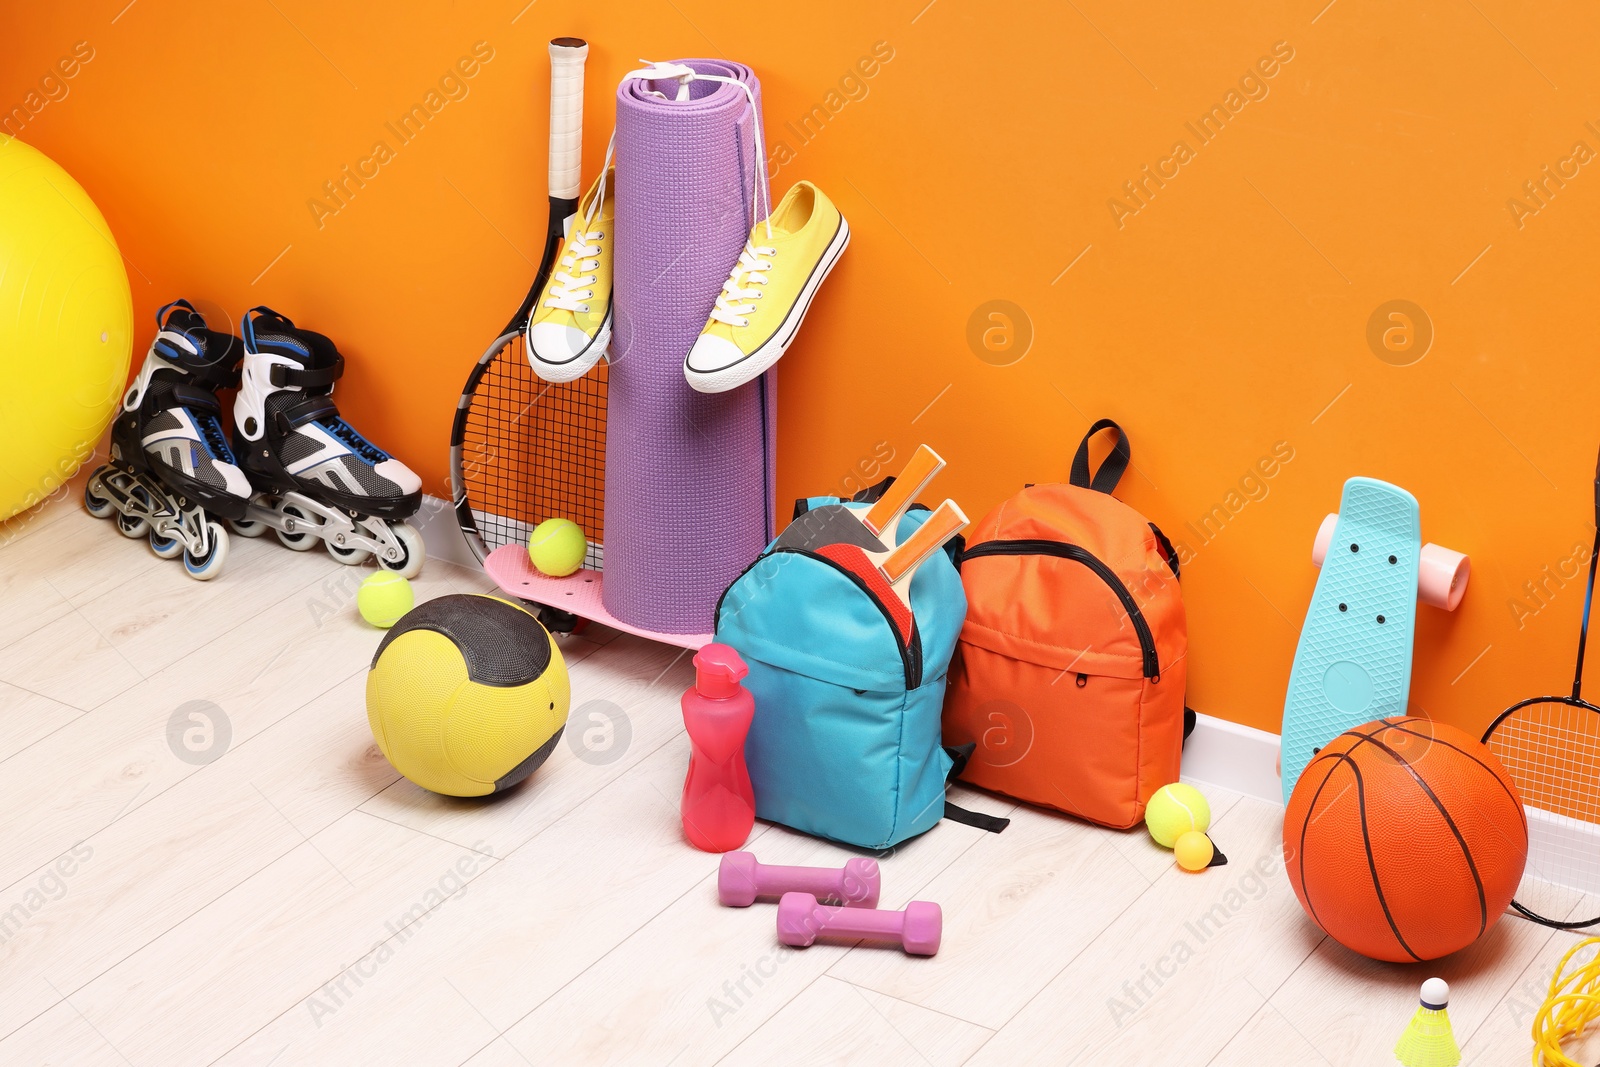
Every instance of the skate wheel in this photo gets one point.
(409, 565)
(248, 527)
(132, 526)
(165, 547)
(99, 506)
(350, 557)
(208, 566)
(1442, 577)
(301, 540)
(1319, 547)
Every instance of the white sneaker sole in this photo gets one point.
(761, 360)
(576, 367)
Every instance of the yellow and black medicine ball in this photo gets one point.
(467, 695)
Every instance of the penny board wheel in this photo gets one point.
(1319, 547)
(1442, 575)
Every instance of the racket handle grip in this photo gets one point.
(1597, 493)
(567, 55)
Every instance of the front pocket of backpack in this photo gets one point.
(1046, 735)
(824, 759)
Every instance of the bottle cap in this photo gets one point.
(717, 671)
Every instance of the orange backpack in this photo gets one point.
(1069, 675)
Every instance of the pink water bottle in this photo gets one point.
(719, 805)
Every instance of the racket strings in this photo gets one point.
(1551, 750)
(533, 450)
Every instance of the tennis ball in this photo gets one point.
(1194, 851)
(556, 547)
(384, 597)
(1175, 810)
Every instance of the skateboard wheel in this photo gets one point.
(1442, 577)
(1319, 547)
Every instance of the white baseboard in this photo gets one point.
(441, 534)
(1562, 852)
(1240, 759)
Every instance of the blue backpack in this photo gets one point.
(845, 743)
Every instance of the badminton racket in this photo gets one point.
(1550, 746)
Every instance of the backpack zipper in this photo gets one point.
(910, 654)
(1062, 550)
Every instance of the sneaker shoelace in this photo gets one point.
(734, 303)
(574, 283)
(570, 291)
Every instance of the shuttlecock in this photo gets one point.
(1429, 1041)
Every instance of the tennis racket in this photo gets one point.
(1550, 746)
(523, 450)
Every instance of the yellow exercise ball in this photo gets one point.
(66, 326)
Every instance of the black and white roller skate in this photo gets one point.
(172, 477)
(315, 477)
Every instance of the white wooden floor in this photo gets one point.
(297, 902)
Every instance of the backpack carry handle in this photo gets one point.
(1111, 471)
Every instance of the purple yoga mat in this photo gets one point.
(689, 476)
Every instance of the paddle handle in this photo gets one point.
(916, 474)
(946, 521)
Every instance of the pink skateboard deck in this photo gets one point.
(577, 594)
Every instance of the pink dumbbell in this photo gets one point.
(801, 920)
(742, 878)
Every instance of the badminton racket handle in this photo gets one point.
(567, 55)
(1597, 493)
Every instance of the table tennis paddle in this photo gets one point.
(888, 574)
(871, 529)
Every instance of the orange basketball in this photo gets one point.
(1404, 839)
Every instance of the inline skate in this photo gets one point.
(172, 477)
(314, 477)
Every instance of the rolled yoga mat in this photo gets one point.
(689, 476)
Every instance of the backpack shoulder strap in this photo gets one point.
(1111, 471)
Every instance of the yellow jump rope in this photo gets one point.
(1573, 1003)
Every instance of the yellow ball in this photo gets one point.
(467, 695)
(1194, 851)
(384, 597)
(556, 547)
(1174, 811)
(66, 326)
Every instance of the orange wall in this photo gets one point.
(1223, 320)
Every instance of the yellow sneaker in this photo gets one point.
(571, 323)
(766, 297)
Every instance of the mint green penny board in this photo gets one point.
(1353, 663)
